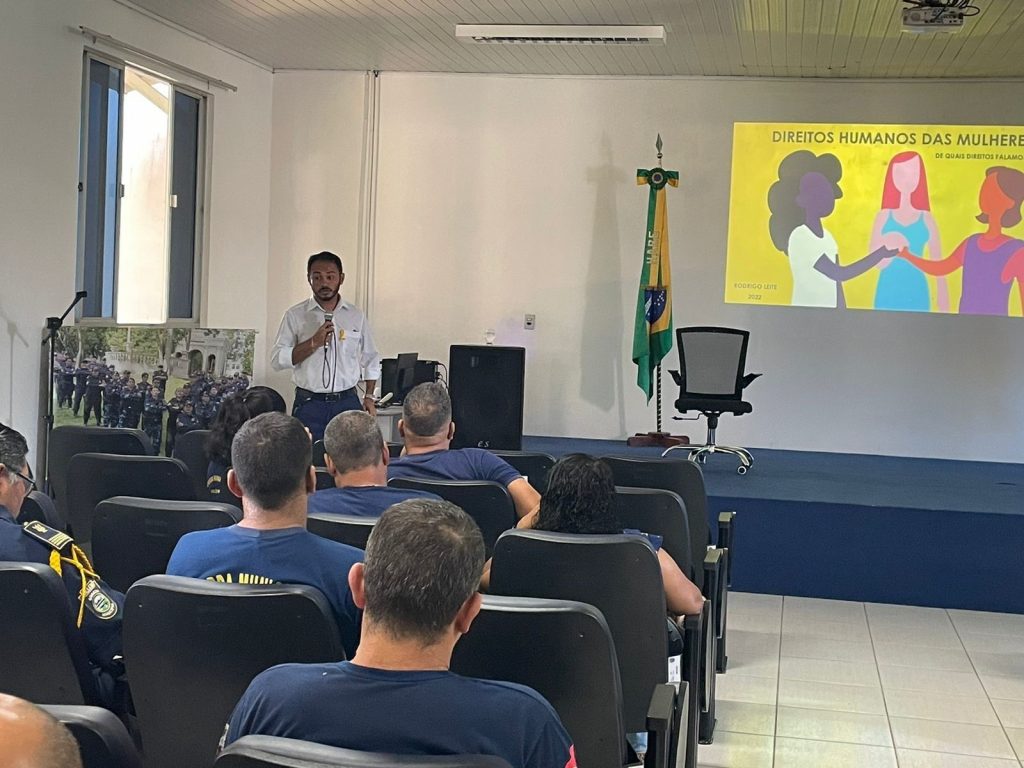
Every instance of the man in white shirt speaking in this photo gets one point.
(327, 345)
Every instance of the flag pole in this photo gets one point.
(657, 439)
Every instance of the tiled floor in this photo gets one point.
(831, 684)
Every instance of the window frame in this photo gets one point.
(201, 233)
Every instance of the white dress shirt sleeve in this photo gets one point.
(284, 344)
(369, 357)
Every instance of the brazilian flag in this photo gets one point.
(652, 332)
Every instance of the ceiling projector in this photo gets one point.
(932, 18)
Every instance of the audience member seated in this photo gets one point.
(580, 498)
(418, 591)
(32, 738)
(97, 609)
(233, 413)
(357, 458)
(427, 428)
(272, 474)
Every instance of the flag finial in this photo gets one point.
(658, 145)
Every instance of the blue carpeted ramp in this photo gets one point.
(871, 528)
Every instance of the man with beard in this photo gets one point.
(327, 345)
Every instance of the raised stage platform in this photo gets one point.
(866, 528)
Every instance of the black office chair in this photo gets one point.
(193, 646)
(319, 454)
(94, 477)
(685, 479)
(620, 576)
(39, 507)
(66, 442)
(277, 752)
(663, 513)
(564, 651)
(395, 449)
(486, 501)
(190, 449)
(102, 739)
(44, 658)
(353, 530)
(532, 465)
(133, 537)
(711, 380)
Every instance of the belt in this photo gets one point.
(325, 396)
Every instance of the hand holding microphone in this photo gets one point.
(323, 335)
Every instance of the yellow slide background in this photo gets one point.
(955, 160)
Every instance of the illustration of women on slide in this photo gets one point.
(992, 259)
(905, 221)
(805, 194)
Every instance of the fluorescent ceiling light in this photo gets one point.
(560, 34)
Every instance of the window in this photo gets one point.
(140, 195)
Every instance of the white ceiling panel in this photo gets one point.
(758, 38)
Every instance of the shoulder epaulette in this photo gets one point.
(51, 537)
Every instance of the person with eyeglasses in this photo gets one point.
(96, 609)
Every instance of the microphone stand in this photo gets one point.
(53, 325)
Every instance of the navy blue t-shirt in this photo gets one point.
(239, 555)
(402, 712)
(363, 500)
(460, 464)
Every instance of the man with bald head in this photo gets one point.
(32, 738)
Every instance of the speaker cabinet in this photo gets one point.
(486, 386)
(388, 377)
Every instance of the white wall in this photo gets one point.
(316, 167)
(40, 120)
(506, 195)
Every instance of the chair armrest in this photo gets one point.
(726, 522)
(713, 560)
(693, 633)
(662, 722)
(715, 588)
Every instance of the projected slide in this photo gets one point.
(911, 218)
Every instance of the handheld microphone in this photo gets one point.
(386, 399)
(328, 317)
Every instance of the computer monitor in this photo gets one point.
(405, 373)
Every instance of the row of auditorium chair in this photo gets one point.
(132, 538)
(192, 647)
(103, 742)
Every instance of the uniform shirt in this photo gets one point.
(187, 422)
(352, 355)
(153, 412)
(403, 712)
(217, 480)
(112, 392)
(459, 464)
(364, 500)
(238, 555)
(101, 624)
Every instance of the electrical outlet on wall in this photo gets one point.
(530, 323)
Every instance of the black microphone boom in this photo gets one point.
(53, 325)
